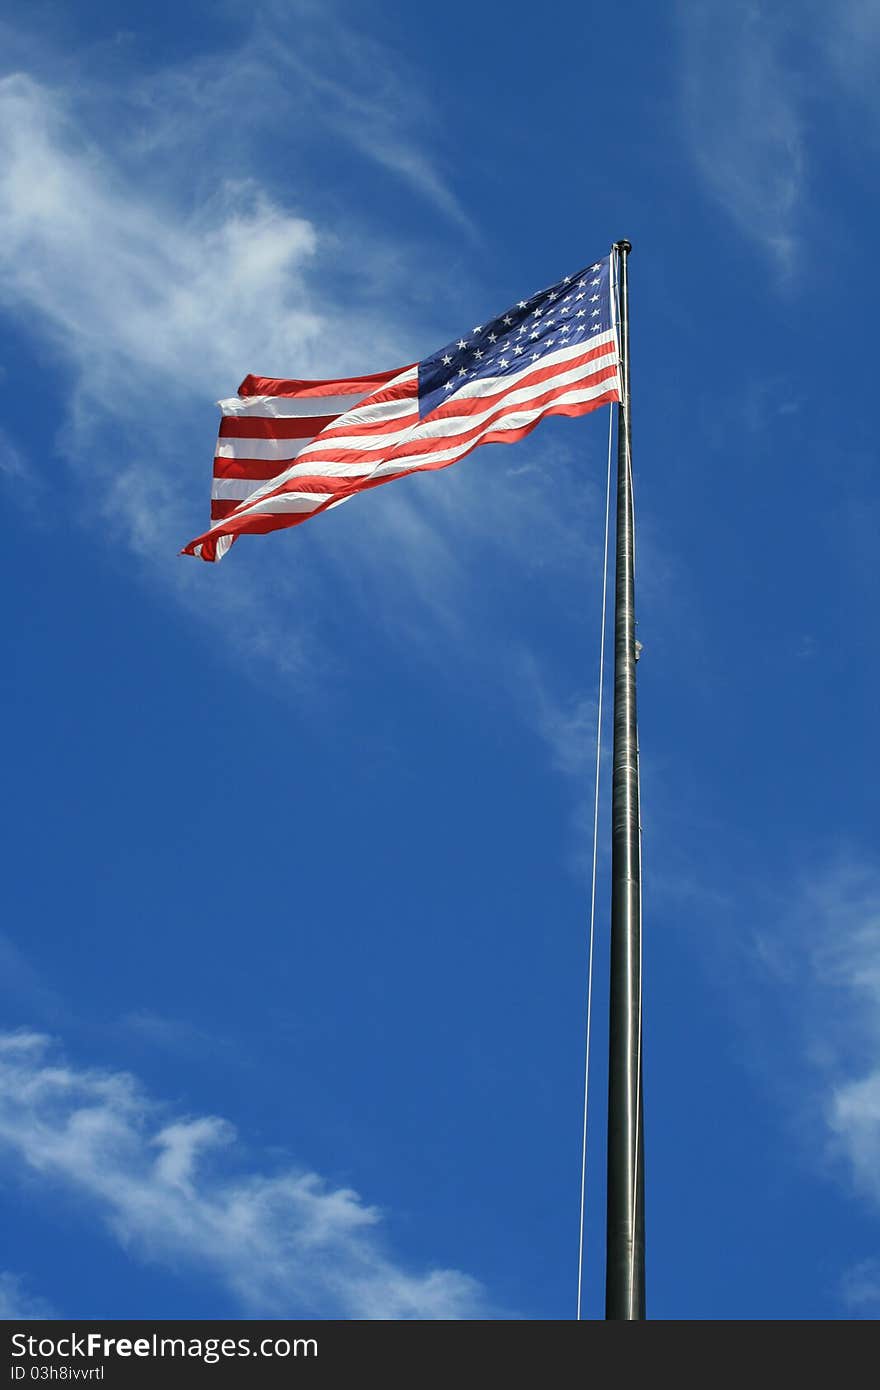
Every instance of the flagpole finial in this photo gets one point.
(624, 246)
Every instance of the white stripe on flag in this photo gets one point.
(270, 450)
(290, 405)
(235, 489)
(290, 502)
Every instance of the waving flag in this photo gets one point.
(290, 449)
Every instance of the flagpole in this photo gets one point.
(625, 1242)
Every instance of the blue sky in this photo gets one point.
(293, 960)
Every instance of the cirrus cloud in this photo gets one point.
(282, 1244)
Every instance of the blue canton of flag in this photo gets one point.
(575, 308)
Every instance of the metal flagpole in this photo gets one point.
(625, 1242)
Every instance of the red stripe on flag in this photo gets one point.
(258, 469)
(339, 386)
(274, 427)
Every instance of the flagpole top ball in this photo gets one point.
(624, 246)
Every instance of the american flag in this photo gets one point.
(290, 449)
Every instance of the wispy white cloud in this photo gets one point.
(292, 83)
(841, 910)
(817, 944)
(179, 1037)
(17, 1304)
(819, 949)
(22, 984)
(849, 34)
(21, 483)
(159, 309)
(283, 1244)
(854, 1118)
(569, 728)
(12, 461)
(756, 80)
(125, 286)
(802, 984)
(861, 1289)
(351, 82)
(741, 116)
